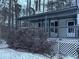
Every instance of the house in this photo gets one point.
(60, 20)
(56, 21)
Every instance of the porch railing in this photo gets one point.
(59, 32)
(64, 32)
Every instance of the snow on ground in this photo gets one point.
(3, 44)
(12, 54)
(58, 56)
(68, 57)
(6, 53)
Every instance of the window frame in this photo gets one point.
(71, 30)
(54, 30)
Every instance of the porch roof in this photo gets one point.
(69, 12)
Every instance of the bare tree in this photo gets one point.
(17, 11)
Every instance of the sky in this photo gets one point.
(22, 2)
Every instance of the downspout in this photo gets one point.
(77, 19)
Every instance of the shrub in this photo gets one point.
(32, 40)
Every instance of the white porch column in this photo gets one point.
(77, 19)
(46, 23)
(77, 2)
(77, 29)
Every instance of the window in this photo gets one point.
(71, 30)
(39, 25)
(52, 29)
(70, 23)
(53, 25)
(56, 30)
(56, 23)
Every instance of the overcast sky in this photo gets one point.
(22, 2)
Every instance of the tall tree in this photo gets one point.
(4, 13)
(9, 20)
(17, 10)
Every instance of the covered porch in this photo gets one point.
(59, 24)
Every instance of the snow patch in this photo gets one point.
(58, 56)
(3, 44)
(68, 57)
(12, 54)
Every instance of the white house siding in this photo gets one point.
(63, 30)
(77, 19)
(78, 3)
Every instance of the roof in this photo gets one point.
(59, 13)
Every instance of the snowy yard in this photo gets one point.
(6, 53)
(12, 54)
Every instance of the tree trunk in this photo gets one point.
(9, 13)
(9, 20)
